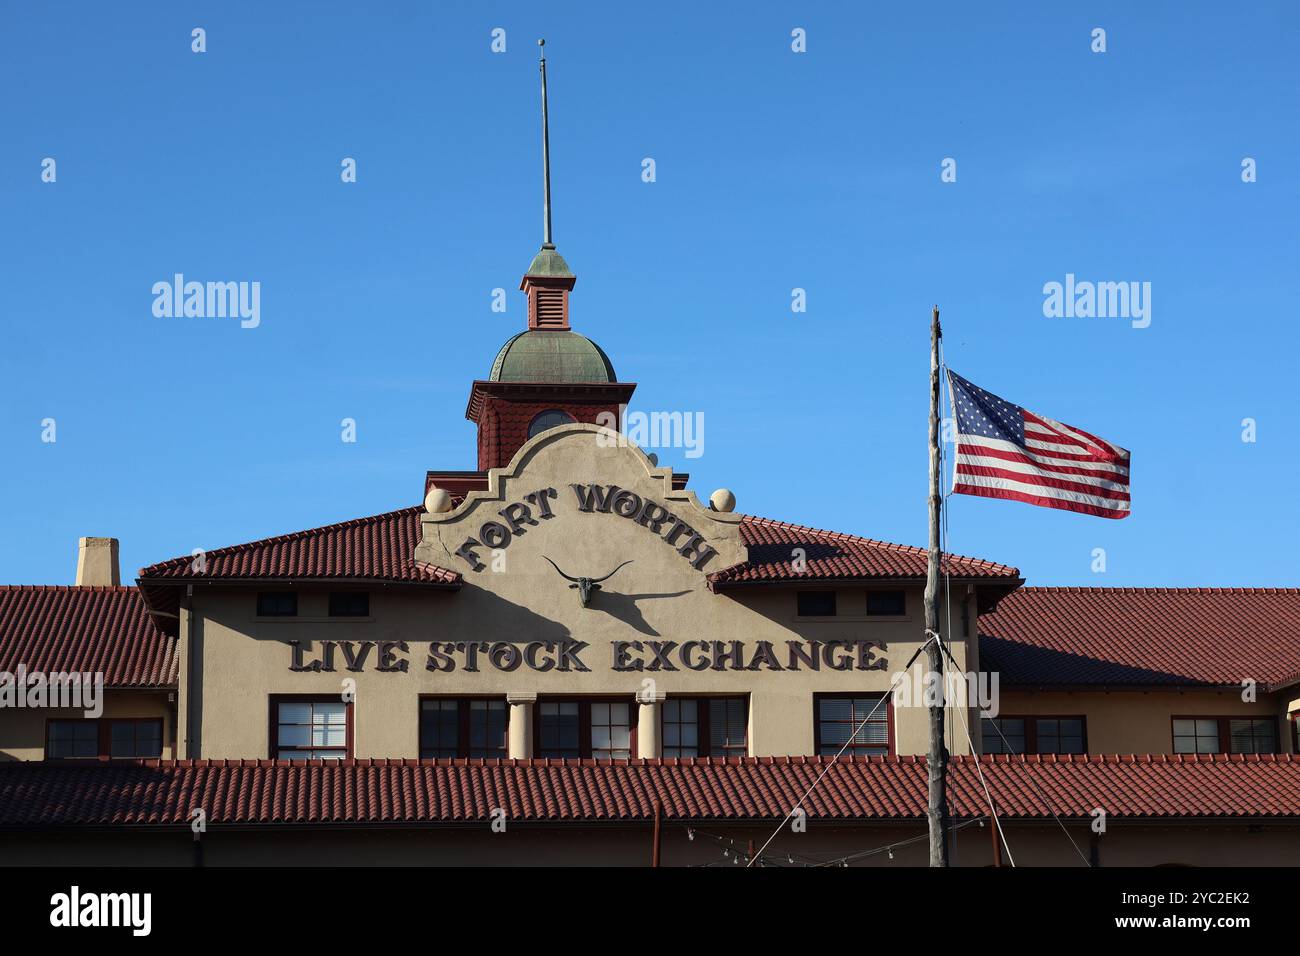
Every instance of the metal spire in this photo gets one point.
(546, 159)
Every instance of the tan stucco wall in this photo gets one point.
(660, 596)
(245, 660)
(22, 731)
(1128, 721)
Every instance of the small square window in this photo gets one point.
(1004, 735)
(135, 738)
(1196, 735)
(349, 604)
(277, 604)
(887, 603)
(72, 739)
(311, 730)
(816, 603)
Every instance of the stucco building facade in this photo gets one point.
(568, 655)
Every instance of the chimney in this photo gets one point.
(97, 563)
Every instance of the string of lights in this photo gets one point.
(891, 847)
(736, 852)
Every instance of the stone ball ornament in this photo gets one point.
(437, 501)
(722, 500)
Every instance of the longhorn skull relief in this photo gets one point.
(585, 586)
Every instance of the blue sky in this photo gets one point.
(775, 170)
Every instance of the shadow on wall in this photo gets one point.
(623, 607)
(511, 622)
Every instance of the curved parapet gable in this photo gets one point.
(577, 490)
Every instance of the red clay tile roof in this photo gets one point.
(1143, 636)
(86, 630)
(833, 556)
(378, 548)
(854, 789)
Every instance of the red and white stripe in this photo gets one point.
(1058, 467)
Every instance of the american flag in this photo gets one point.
(1005, 451)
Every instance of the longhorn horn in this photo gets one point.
(562, 574)
(611, 574)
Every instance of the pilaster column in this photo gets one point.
(649, 708)
(519, 735)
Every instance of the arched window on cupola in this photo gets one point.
(549, 419)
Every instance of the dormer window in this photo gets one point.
(549, 419)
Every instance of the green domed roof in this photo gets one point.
(540, 355)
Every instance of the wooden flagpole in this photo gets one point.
(937, 810)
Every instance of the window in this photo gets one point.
(1011, 740)
(277, 604)
(1253, 736)
(117, 739)
(681, 727)
(1208, 735)
(705, 727)
(611, 731)
(1058, 735)
(349, 604)
(134, 738)
(728, 727)
(311, 729)
(838, 720)
(887, 603)
(71, 738)
(816, 604)
(548, 419)
(440, 728)
(1034, 735)
(462, 727)
(557, 725)
(585, 728)
(1193, 736)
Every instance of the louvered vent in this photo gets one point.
(551, 309)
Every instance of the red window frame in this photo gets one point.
(464, 709)
(1225, 731)
(273, 730)
(104, 735)
(852, 750)
(584, 723)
